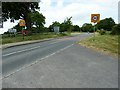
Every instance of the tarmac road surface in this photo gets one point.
(58, 63)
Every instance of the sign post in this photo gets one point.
(22, 24)
(95, 18)
(56, 29)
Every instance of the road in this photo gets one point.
(58, 63)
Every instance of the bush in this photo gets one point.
(116, 30)
(98, 31)
(102, 32)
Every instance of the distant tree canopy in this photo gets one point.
(87, 27)
(19, 10)
(55, 23)
(64, 26)
(116, 30)
(52, 26)
(76, 28)
(106, 24)
(68, 24)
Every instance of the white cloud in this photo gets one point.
(80, 10)
(7, 25)
(60, 3)
(46, 2)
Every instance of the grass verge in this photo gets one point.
(103, 43)
(19, 38)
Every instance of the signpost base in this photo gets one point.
(94, 32)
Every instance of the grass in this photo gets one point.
(75, 33)
(19, 38)
(0, 39)
(105, 43)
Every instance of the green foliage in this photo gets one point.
(87, 27)
(64, 26)
(52, 26)
(37, 18)
(106, 24)
(68, 24)
(55, 24)
(102, 32)
(116, 30)
(64, 34)
(37, 36)
(18, 10)
(18, 28)
(76, 28)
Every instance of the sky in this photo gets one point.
(80, 10)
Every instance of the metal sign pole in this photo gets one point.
(95, 18)
(23, 33)
(94, 31)
(22, 24)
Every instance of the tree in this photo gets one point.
(106, 24)
(54, 24)
(68, 24)
(76, 28)
(19, 10)
(37, 19)
(50, 28)
(87, 27)
(64, 26)
(18, 28)
(116, 30)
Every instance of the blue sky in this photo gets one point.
(80, 10)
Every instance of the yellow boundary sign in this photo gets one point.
(95, 18)
(22, 23)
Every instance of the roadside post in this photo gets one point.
(95, 18)
(22, 25)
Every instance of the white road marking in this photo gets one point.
(37, 61)
(26, 50)
(21, 51)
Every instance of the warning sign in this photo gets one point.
(95, 18)
(22, 23)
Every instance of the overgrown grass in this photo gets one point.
(19, 38)
(105, 43)
(0, 39)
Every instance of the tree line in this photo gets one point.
(30, 12)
